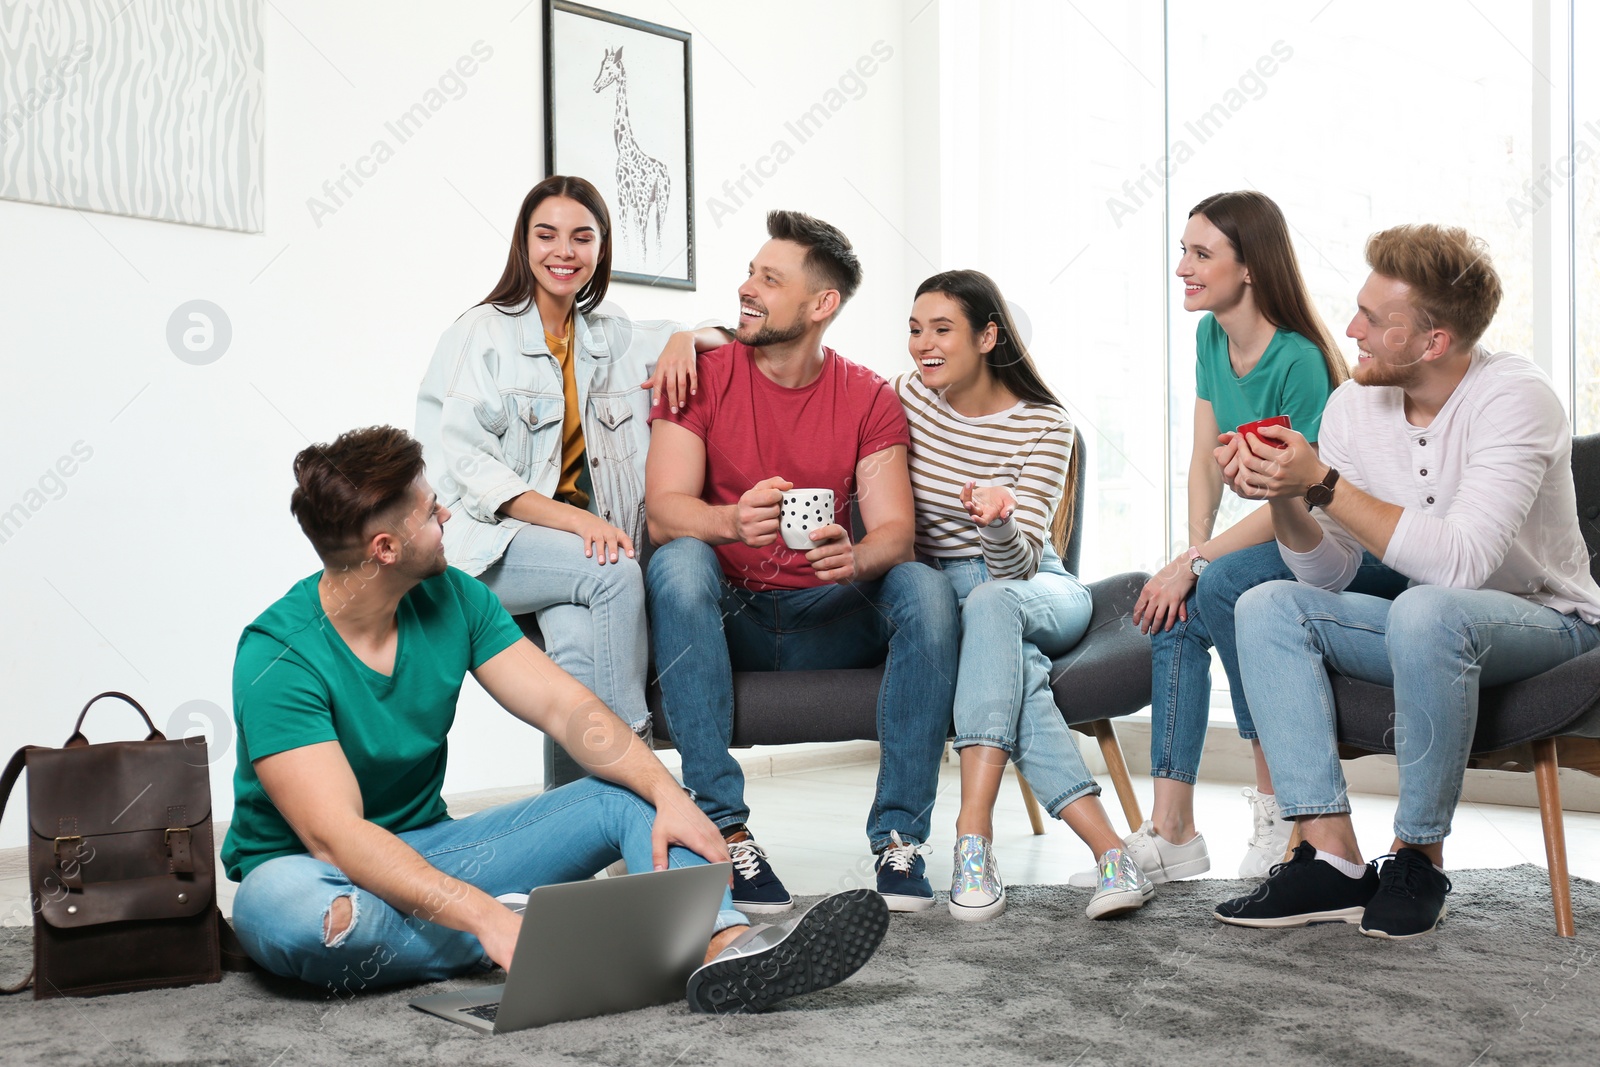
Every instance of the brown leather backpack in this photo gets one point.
(121, 868)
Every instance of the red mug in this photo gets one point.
(1255, 428)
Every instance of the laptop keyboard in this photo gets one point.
(486, 1012)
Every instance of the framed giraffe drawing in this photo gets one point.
(618, 110)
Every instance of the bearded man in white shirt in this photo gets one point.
(1454, 466)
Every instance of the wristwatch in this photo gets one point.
(1320, 494)
(1197, 562)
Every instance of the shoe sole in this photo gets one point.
(1109, 907)
(1181, 870)
(1384, 935)
(972, 913)
(1187, 869)
(903, 902)
(752, 908)
(1341, 915)
(831, 942)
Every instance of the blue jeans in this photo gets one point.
(1180, 668)
(564, 835)
(1435, 646)
(591, 616)
(705, 628)
(1010, 630)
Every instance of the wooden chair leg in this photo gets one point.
(1555, 834)
(1117, 767)
(1029, 801)
(1294, 841)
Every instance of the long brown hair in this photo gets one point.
(517, 285)
(1011, 366)
(1256, 228)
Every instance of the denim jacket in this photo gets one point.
(489, 418)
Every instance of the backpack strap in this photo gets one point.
(8, 779)
(234, 957)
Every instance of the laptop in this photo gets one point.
(597, 947)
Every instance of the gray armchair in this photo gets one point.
(1548, 721)
(1105, 676)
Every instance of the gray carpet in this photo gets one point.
(1169, 986)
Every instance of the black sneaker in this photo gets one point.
(756, 890)
(1304, 890)
(1410, 899)
(766, 964)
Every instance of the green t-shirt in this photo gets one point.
(296, 683)
(1290, 379)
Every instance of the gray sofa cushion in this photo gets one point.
(1563, 701)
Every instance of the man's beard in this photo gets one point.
(769, 334)
(1377, 373)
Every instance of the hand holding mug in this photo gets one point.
(758, 512)
(1276, 464)
(834, 558)
(1234, 446)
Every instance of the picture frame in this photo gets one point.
(619, 111)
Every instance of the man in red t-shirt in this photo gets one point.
(775, 410)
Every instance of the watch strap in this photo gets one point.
(1320, 494)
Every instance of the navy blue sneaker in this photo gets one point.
(903, 877)
(756, 890)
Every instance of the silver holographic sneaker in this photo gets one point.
(1123, 887)
(976, 892)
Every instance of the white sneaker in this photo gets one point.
(1269, 835)
(1121, 886)
(1159, 859)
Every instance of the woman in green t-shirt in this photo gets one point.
(1262, 350)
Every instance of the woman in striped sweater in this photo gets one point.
(991, 451)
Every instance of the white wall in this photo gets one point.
(138, 570)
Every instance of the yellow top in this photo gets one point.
(571, 425)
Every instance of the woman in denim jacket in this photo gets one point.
(532, 418)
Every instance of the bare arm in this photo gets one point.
(316, 792)
(707, 338)
(675, 476)
(1163, 600)
(676, 376)
(883, 492)
(1369, 520)
(1205, 477)
(602, 541)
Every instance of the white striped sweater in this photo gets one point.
(1025, 448)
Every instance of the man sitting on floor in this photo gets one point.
(344, 690)
(775, 410)
(1454, 466)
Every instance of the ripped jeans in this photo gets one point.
(564, 835)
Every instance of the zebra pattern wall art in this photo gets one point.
(151, 109)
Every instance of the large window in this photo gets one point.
(1355, 117)
(1079, 135)
(1579, 164)
(1050, 110)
